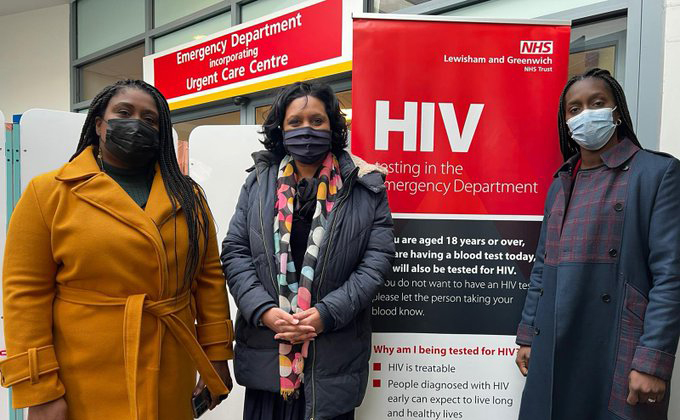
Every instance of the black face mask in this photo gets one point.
(132, 141)
(307, 145)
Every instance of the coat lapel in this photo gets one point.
(159, 206)
(98, 189)
(566, 176)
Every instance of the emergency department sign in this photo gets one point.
(306, 41)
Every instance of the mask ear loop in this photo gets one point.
(618, 121)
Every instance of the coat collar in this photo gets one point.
(371, 176)
(619, 154)
(612, 158)
(101, 189)
(83, 166)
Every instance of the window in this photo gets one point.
(184, 129)
(260, 8)
(519, 9)
(261, 113)
(105, 23)
(389, 6)
(96, 76)
(194, 32)
(601, 44)
(165, 11)
(345, 99)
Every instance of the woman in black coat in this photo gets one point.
(309, 245)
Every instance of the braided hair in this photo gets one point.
(567, 145)
(181, 189)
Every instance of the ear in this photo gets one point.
(617, 116)
(97, 126)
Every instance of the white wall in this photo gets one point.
(34, 60)
(34, 72)
(670, 127)
(670, 123)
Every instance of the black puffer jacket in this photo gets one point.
(355, 256)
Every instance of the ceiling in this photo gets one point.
(10, 7)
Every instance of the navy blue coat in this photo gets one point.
(354, 258)
(596, 310)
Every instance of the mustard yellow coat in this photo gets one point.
(91, 307)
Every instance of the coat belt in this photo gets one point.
(165, 310)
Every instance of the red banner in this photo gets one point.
(304, 36)
(463, 115)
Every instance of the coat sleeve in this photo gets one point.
(655, 353)
(214, 330)
(342, 305)
(29, 286)
(525, 330)
(250, 295)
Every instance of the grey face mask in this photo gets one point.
(592, 128)
(307, 145)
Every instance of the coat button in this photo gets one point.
(625, 168)
(537, 331)
(606, 298)
(613, 252)
(618, 206)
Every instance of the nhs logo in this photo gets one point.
(535, 47)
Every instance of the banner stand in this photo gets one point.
(459, 138)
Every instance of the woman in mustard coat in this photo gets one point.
(113, 291)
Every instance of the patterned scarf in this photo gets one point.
(294, 297)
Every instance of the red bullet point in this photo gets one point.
(376, 383)
(377, 366)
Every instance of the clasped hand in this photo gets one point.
(295, 329)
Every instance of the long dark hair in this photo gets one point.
(273, 124)
(181, 189)
(567, 145)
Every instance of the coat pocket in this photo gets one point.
(630, 330)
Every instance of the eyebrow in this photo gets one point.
(590, 98)
(316, 114)
(597, 94)
(128, 104)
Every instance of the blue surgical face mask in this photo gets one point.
(592, 128)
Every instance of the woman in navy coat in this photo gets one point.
(600, 325)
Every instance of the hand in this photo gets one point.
(311, 317)
(645, 389)
(222, 368)
(53, 410)
(522, 360)
(287, 327)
